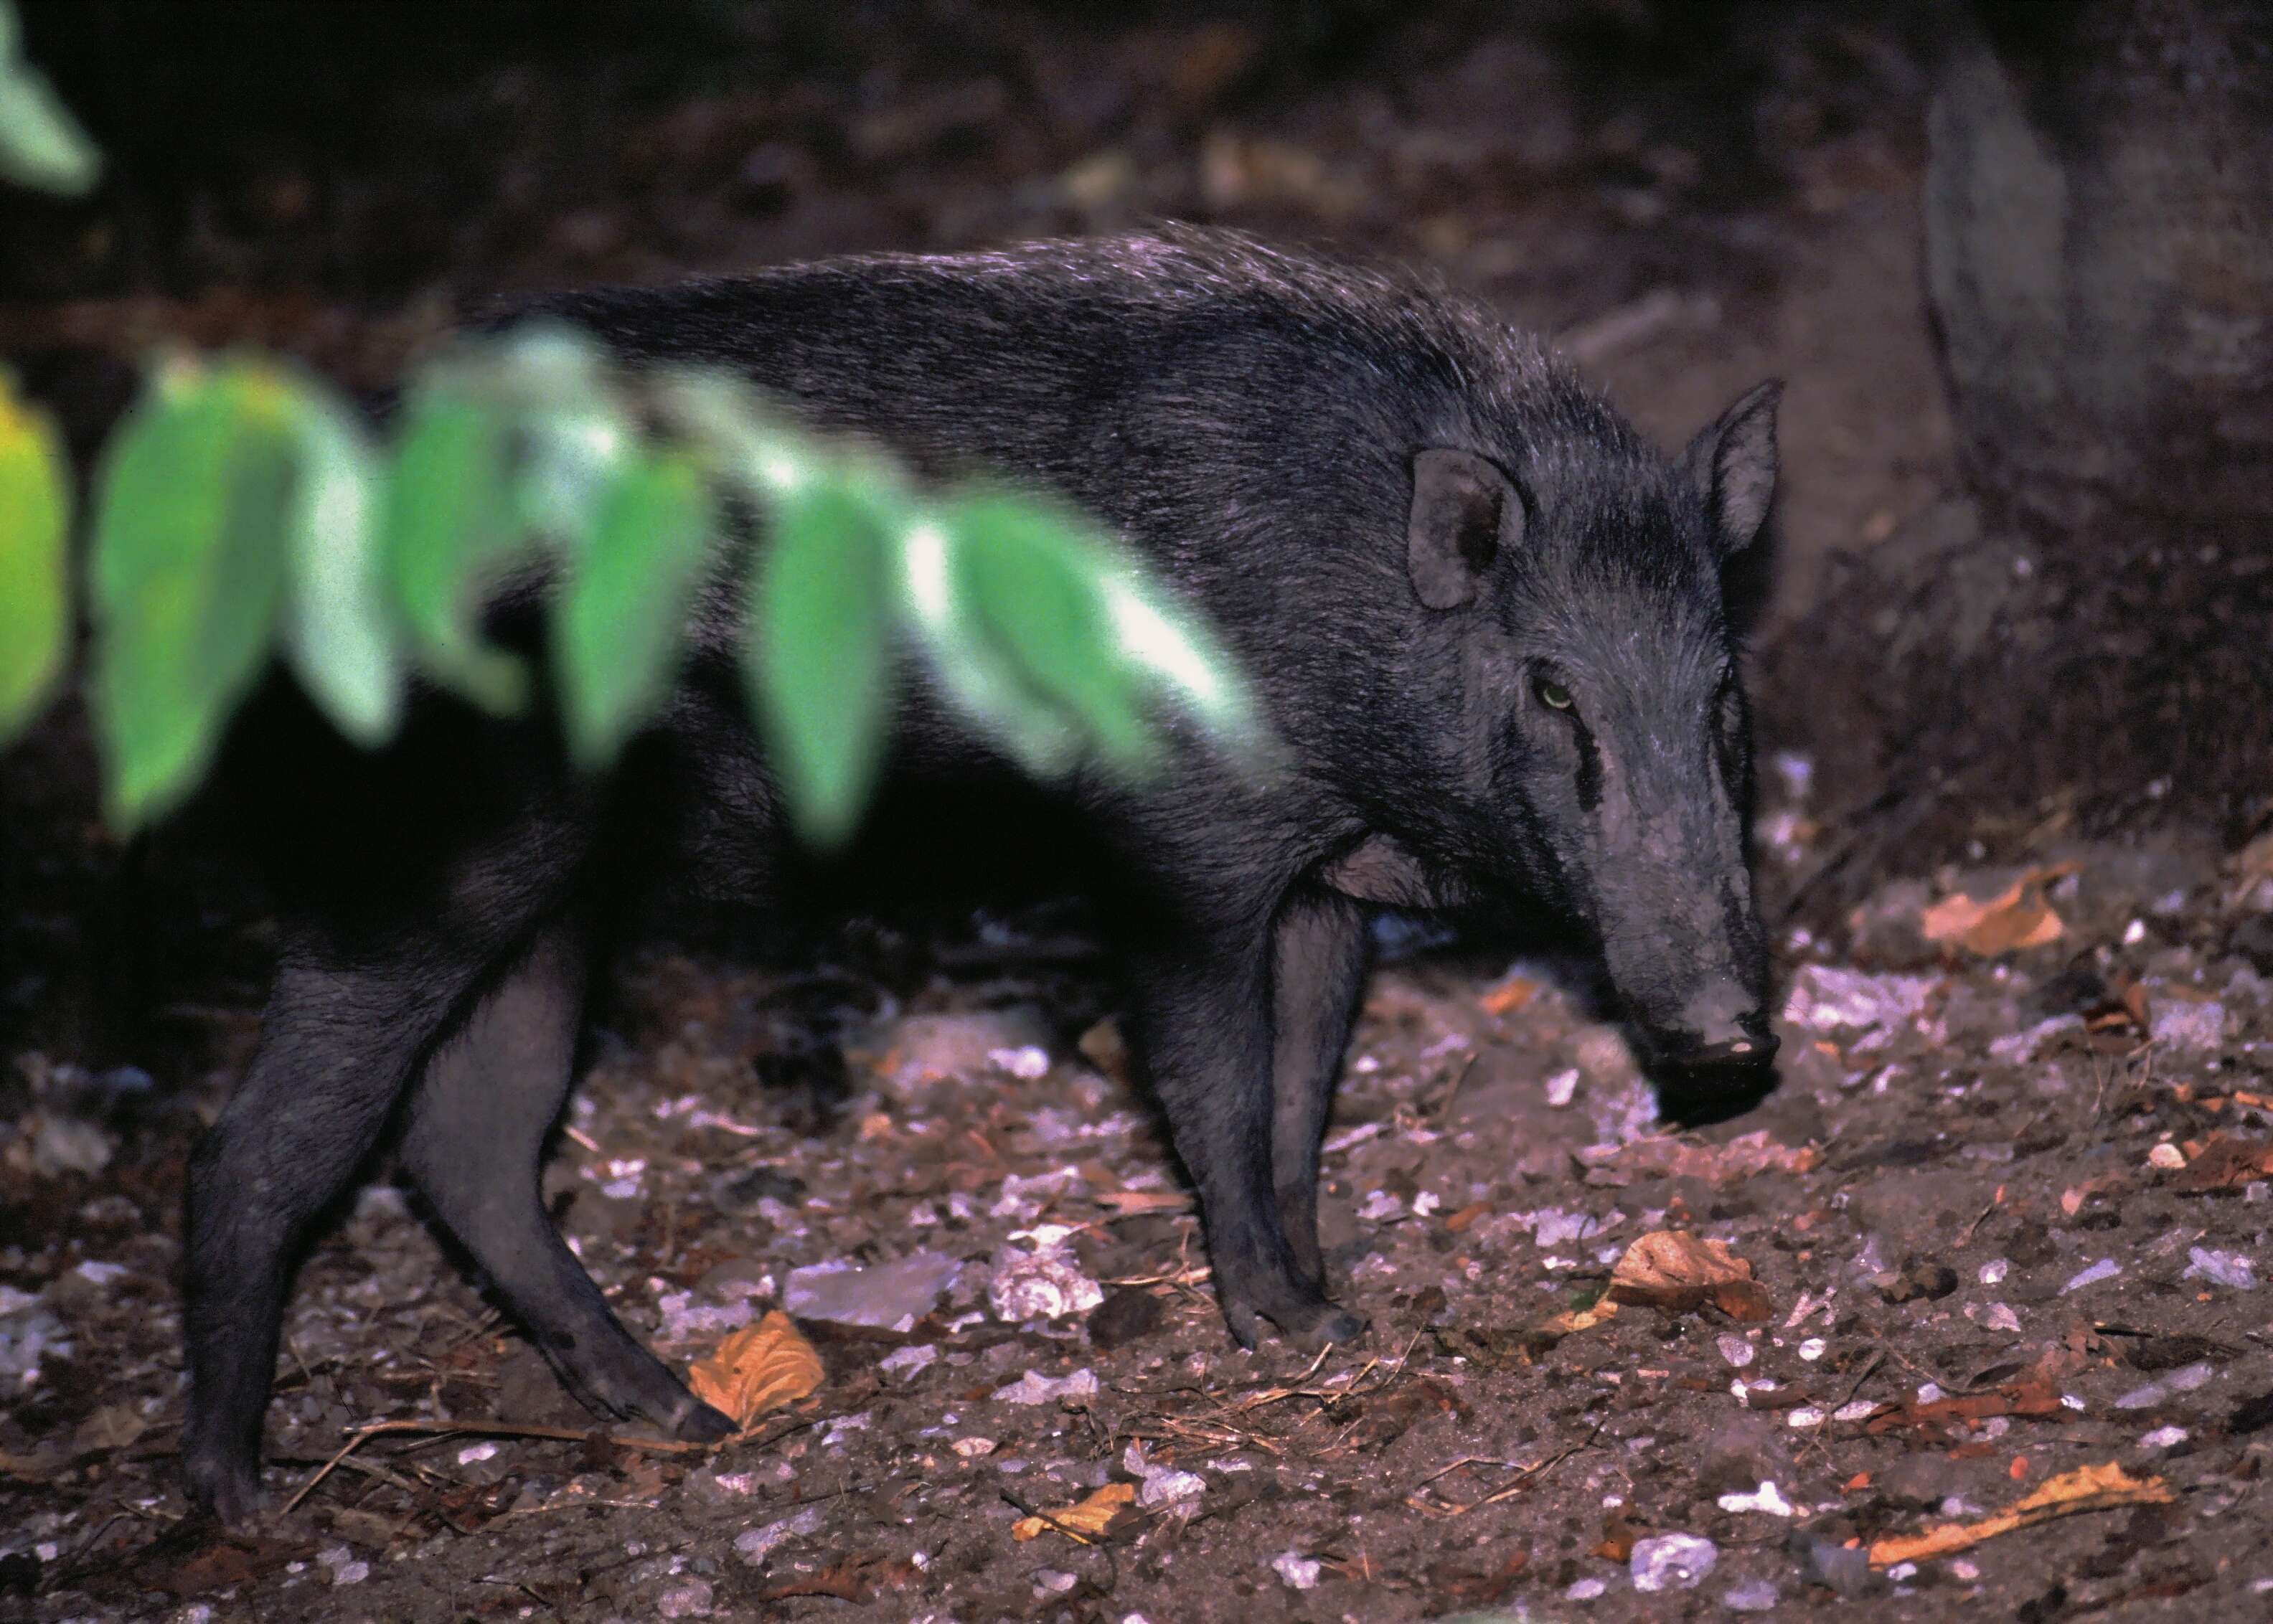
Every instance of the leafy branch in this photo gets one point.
(243, 510)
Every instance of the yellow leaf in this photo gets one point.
(1088, 1517)
(2087, 1488)
(760, 1367)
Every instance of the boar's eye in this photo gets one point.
(1551, 694)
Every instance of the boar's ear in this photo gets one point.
(1464, 512)
(1733, 464)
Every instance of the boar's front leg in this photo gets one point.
(1203, 1014)
(338, 1045)
(478, 1122)
(1322, 948)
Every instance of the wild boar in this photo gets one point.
(1484, 617)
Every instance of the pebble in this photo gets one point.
(1043, 1284)
(1035, 1388)
(1672, 1561)
(689, 1598)
(1563, 1086)
(1737, 1351)
(2232, 1269)
(2164, 1437)
(1842, 1569)
(2106, 1268)
(1759, 1596)
(1767, 1498)
(1299, 1571)
(881, 1297)
(1585, 1589)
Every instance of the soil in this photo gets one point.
(2003, 1214)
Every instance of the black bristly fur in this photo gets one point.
(1248, 420)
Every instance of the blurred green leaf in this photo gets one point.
(1028, 586)
(820, 656)
(41, 144)
(622, 614)
(447, 535)
(575, 434)
(340, 630)
(34, 588)
(189, 562)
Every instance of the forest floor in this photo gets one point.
(1991, 1250)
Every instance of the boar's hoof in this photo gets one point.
(702, 1425)
(1309, 1325)
(228, 1491)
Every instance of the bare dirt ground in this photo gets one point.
(1993, 1243)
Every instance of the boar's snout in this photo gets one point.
(1723, 1023)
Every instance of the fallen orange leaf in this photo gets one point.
(2017, 916)
(2087, 1488)
(760, 1367)
(1667, 1268)
(1510, 996)
(1090, 1515)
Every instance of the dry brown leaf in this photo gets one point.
(1130, 1202)
(2017, 916)
(2031, 1397)
(1742, 1157)
(1668, 1269)
(1090, 1515)
(760, 1367)
(2226, 1162)
(2087, 1488)
(1510, 996)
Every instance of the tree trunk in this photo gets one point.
(2089, 624)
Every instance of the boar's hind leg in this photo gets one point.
(478, 1122)
(337, 1047)
(1321, 949)
(1205, 1026)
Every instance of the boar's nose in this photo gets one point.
(1723, 1024)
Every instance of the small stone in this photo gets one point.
(2164, 1437)
(1738, 1352)
(1043, 1284)
(2230, 1269)
(973, 1449)
(687, 1598)
(1759, 1596)
(2167, 1157)
(880, 1297)
(1299, 1571)
(1767, 1498)
(2106, 1268)
(1672, 1561)
(1585, 1589)
(1844, 1569)
(1035, 1388)
(2178, 1025)
(1563, 1086)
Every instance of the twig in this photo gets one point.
(1443, 1112)
(1112, 1562)
(487, 1429)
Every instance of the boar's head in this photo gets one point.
(1606, 747)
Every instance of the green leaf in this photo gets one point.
(447, 536)
(41, 144)
(34, 589)
(339, 629)
(189, 562)
(1033, 627)
(819, 655)
(620, 618)
(575, 433)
